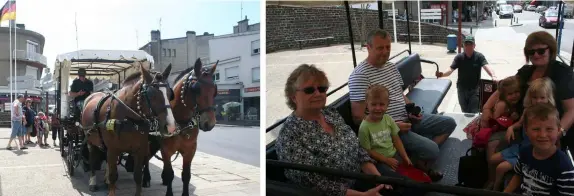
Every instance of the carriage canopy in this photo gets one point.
(112, 65)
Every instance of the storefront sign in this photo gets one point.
(252, 89)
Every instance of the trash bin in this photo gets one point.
(451, 41)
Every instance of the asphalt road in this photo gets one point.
(236, 143)
(530, 21)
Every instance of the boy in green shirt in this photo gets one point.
(379, 134)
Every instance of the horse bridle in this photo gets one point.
(194, 84)
(152, 117)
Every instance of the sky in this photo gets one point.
(126, 24)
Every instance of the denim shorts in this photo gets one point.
(17, 129)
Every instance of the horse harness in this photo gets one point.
(186, 127)
(145, 122)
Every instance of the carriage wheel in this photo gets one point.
(70, 157)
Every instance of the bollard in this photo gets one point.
(471, 30)
(494, 23)
(511, 20)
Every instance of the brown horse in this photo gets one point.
(193, 109)
(121, 122)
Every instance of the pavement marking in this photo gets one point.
(31, 166)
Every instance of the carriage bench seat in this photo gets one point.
(427, 93)
(287, 189)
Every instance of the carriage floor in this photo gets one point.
(42, 171)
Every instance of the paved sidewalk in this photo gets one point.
(41, 171)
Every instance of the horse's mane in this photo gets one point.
(134, 77)
(182, 73)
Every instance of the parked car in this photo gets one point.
(540, 9)
(548, 19)
(517, 9)
(506, 11)
(569, 11)
(531, 8)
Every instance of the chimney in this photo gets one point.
(155, 35)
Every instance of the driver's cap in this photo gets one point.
(469, 38)
(82, 72)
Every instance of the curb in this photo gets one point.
(516, 25)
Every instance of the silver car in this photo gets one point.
(506, 11)
(517, 9)
(540, 9)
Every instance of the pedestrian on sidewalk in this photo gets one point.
(29, 125)
(43, 129)
(17, 122)
(468, 64)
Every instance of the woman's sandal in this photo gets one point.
(434, 175)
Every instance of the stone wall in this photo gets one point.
(284, 25)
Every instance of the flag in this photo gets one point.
(8, 11)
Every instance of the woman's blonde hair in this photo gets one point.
(302, 74)
(507, 85)
(541, 86)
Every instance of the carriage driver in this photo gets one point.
(81, 88)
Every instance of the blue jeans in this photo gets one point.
(18, 130)
(468, 100)
(418, 141)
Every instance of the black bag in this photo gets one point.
(473, 169)
(34, 132)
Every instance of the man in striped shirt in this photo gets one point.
(421, 134)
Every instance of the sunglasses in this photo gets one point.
(311, 90)
(540, 51)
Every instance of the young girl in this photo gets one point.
(42, 129)
(509, 89)
(540, 91)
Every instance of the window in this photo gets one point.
(216, 76)
(31, 47)
(168, 52)
(255, 74)
(173, 52)
(232, 73)
(255, 47)
(163, 52)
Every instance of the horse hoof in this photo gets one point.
(146, 184)
(93, 188)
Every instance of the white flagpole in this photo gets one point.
(11, 72)
(419, 6)
(15, 61)
(394, 22)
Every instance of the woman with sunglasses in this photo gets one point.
(540, 49)
(318, 136)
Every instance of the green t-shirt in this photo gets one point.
(377, 136)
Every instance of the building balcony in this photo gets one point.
(32, 57)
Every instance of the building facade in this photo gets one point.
(27, 49)
(238, 74)
(180, 52)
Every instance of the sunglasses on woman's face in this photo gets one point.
(540, 51)
(311, 90)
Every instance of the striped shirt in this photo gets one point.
(552, 176)
(388, 76)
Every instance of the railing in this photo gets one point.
(31, 56)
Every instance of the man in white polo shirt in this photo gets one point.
(420, 135)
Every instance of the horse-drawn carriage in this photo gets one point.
(135, 121)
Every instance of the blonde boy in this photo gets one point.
(379, 134)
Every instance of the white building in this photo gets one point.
(237, 74)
